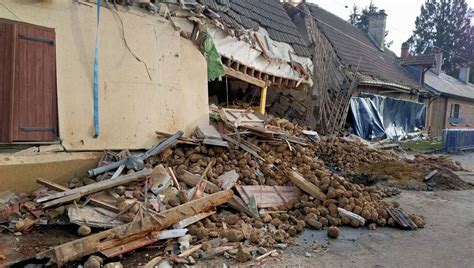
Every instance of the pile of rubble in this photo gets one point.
(347, 155)
(244, 188)
(358, 162)
(436, 162)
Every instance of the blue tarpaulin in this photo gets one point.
(379, 117)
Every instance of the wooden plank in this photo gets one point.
(63, 200)
(401, 217)
(35, 117)
(269, 196)
(213, 142)
(6, 83)
(237, 203)
(190, 251)
(145, 241)
(244, 117)
(244, 77)
(127, 247)
(118, 172)
(305, 185)
(245, 148)
(132, 231)
(193, 219)
(193, 179)
(175, 181)
(228, 180)
(99, 186)
(60, 188)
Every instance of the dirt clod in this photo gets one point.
(84, 230)
(243, 254)
(94, 262)
(333, 232)
(232, 219)
(233, 235)
(372, 226)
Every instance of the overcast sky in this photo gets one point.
(401, 15)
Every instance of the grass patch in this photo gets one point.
(423, 145)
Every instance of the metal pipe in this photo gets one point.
(156, 149)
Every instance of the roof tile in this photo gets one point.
(269, 14)
(355, 49)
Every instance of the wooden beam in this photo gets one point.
(93, 201)
(193, 219)
(305, 185)
(245, 148)
(123, 234)
(97, 187)
(236, 202)
(244, 77)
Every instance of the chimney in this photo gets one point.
(464, 73)
(377, 23)
(438, 60)
(404, 53)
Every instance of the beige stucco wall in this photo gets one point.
(18, 173)
(132, 107)
(466, 112)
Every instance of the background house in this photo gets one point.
(454, 107)
(145, 80)
(349, 63)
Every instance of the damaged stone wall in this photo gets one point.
(294, 105)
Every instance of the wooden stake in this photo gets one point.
(265, 255)
(175, 181)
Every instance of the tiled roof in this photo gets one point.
(419, 60)
(448, 85)
(268, 14)
(355, 49)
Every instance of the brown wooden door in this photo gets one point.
(6, 80)
(34, 92)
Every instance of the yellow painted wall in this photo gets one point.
(18, 173)
(132, 107)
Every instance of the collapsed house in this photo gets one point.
(350, 65)
(260, 50)
(178, 196)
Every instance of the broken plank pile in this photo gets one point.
(243, 179)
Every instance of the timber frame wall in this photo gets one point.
(332, 83)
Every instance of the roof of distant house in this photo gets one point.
(268, 14)
(427, 60)
(355, 49)
(448, 85)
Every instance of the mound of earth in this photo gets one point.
(409, 176)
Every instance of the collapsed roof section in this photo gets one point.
(357, 51)
(268, 14)
(258, 42)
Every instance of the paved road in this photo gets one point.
(446, 241)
